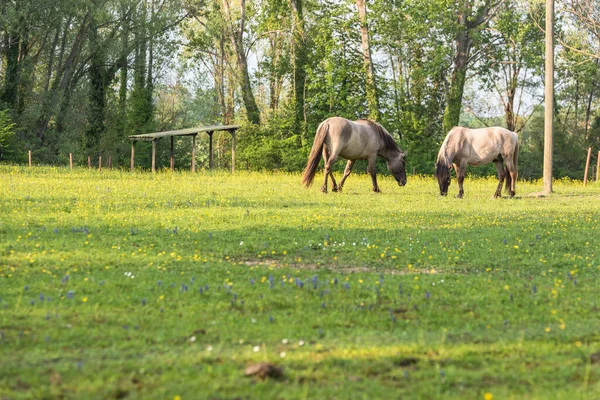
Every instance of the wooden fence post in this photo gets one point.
(153, 155)
(132, 154)
(587, 167)
(194, 152)
(30, 158)
(233, 140)
(99, 163)
(89, 163)
(172, 156)
(598, 166)
(210, 150)
(71, 160)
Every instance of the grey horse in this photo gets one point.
(464, 146)
(353, 140)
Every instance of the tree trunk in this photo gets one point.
(236, 35)
(124, 70)
(299, 65)
(463, 44)
(97, 96)
(549, 98)
(467, 26)
(11, 75)
(371, 88)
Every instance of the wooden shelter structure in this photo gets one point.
(193, 132)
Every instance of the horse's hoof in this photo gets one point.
(335, 189)
(512, 194)
(323, 190)
(497, 195)
(376, 190)
(459, 196)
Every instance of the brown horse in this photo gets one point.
(464, 146)
(353, 140)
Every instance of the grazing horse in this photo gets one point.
(464, 146)
(353, 140)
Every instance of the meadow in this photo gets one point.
(169, 285)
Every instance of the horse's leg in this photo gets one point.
(501, 176)
(335, 187)
(512, 170)
(328, 164)
(347, 171)
(325, 169)
(461, 171)
(372, 170)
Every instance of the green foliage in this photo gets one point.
(79, 77)
(7, 135)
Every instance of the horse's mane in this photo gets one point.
(388, 140)
(441, 170)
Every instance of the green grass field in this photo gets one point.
(167, 286)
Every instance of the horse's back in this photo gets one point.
(353, 139)
(482, 145)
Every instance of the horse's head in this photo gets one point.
(442, 173)
(397, 167)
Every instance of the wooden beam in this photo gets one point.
(233, 140)
(172, 155)
(154, 155)
(132, 154)
(598, 166)
(194, 153)
(587, 166)
(210, 150)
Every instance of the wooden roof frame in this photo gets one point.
(193, 132)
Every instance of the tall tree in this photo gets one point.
(371, 87)
(549, 98)
(471, 17)
(235, 27)
(299, 64)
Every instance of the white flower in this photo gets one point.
(284, 341)
(253, 320)
(256, 349)
(209, 348)
(282, 354)
(192, 339)
(241, 341)
(301, 343)
(242, 243)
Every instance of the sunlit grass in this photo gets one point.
(116, 284)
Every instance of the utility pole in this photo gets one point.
(549, 98)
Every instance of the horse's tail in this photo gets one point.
(516, 164)
(315, 155)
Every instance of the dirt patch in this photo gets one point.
(343, 269)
